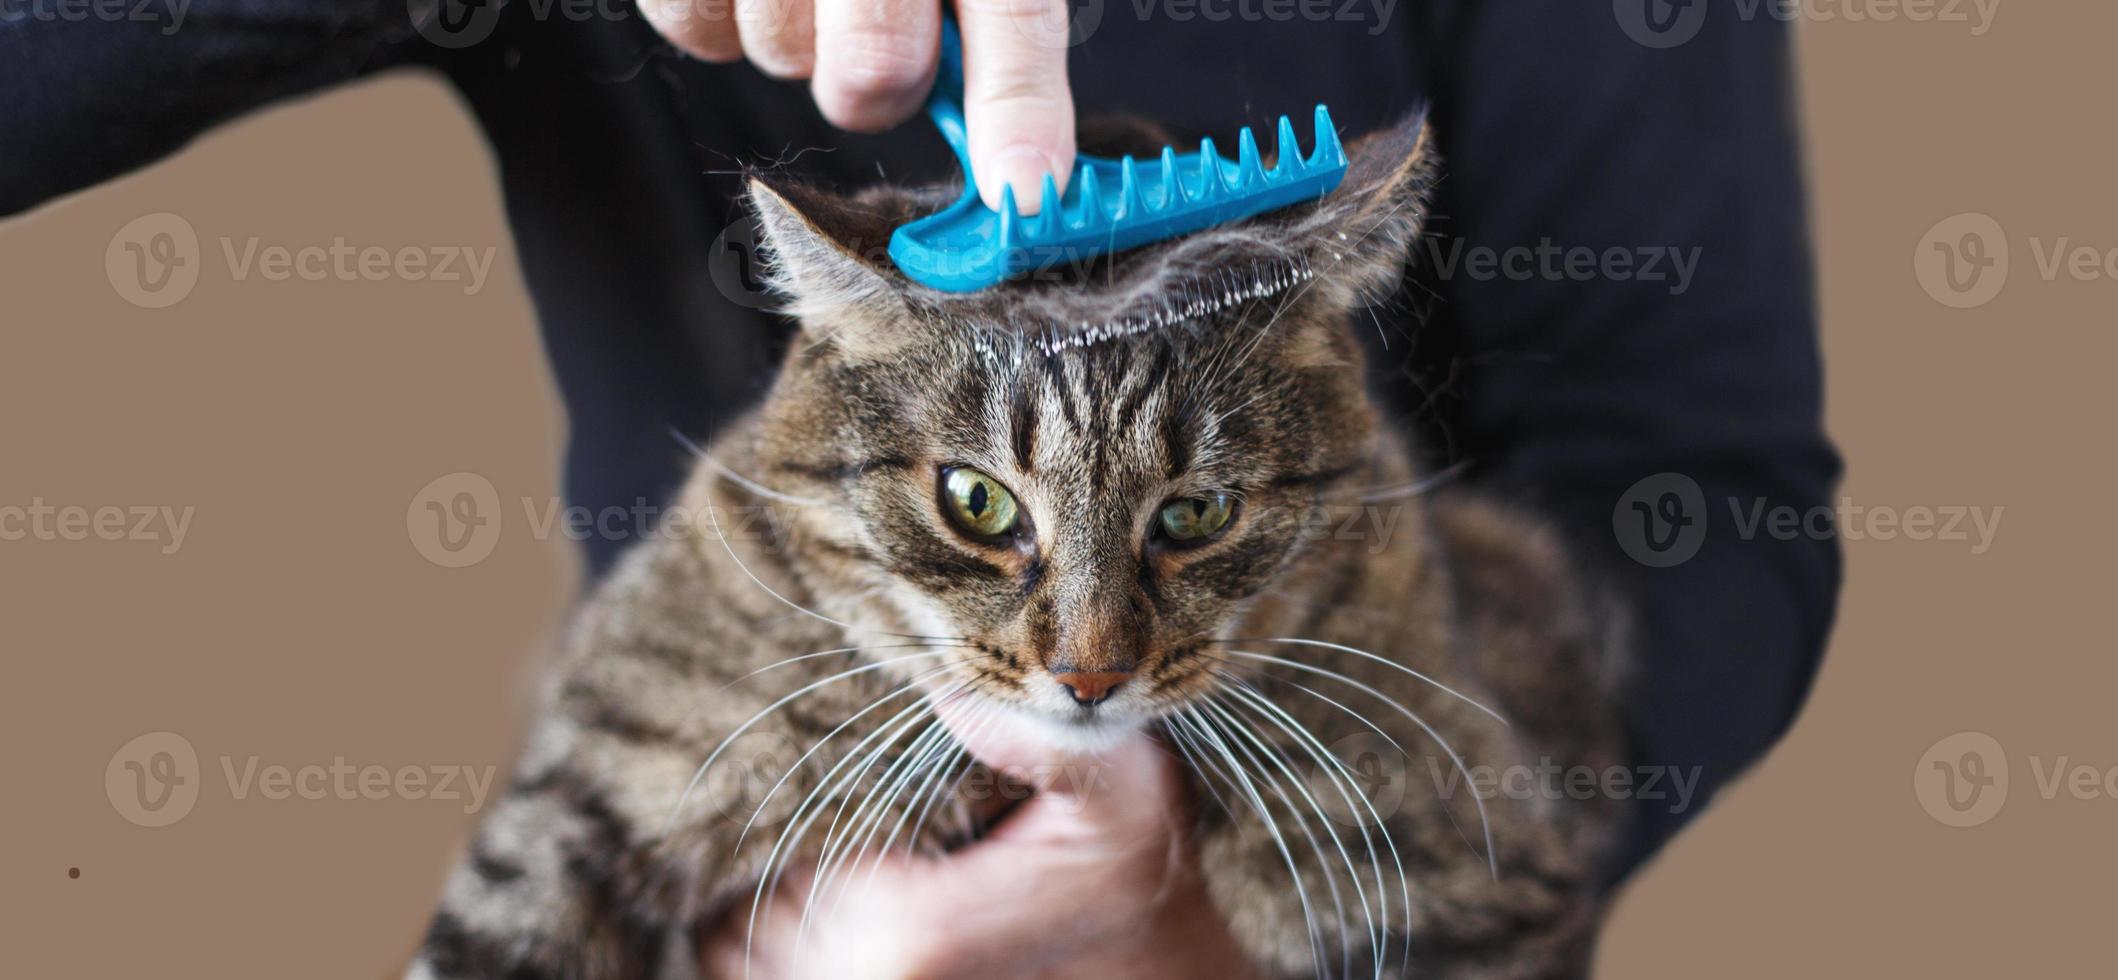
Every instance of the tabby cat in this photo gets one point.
(1108, 498)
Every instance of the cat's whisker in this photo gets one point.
(991, 714)
(923, 798)
(803, 817)
(1342, 780)
(1182, 740)
(722, 536)
(714, 519)
(832, 653)
(1271, 754)
(730, 738)
(853, 599)
(875, 807)
(1327, 699)
(820, 743)
(797, 827)
(926, 771)
(1416, 488)
(1492, 856)
(980, 719)
(1356, 715)
(746, 482)
(1385, 736)
(836, 840)
(1209, 735)
(1385, 661)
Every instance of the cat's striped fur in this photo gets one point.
(1222, 362)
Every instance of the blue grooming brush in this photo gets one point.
(969, 246)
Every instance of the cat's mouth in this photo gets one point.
(1083, 729)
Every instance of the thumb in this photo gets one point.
(1017, 105)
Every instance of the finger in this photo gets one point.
(1017, 105)
(756, 944)
(874, 60)
(779, 36)
(879, 926)
(702, 28)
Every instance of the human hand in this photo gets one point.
(1088, 877)
(870, 64)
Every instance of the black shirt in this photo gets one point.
(1615, 288)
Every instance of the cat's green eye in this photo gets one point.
(977, 503)
(1193, 519)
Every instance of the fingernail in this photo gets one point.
(1022, 167)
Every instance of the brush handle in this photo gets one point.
(945, 104)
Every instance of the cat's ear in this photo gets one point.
(1360, 236)
(828, 256)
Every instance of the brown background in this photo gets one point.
(298, 623)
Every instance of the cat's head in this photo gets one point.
(1082, 478)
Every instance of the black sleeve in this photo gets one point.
(92, 91)
(1652, 409)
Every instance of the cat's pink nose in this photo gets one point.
(1091, 689)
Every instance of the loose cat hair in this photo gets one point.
(1104, 498)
